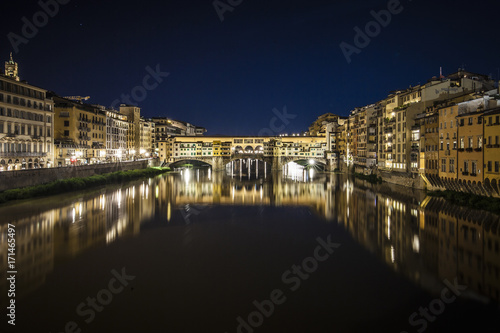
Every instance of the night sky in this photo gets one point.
(229, 76)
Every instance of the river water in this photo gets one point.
(301, 251)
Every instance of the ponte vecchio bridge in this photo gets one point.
(218, 151)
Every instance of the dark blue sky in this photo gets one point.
(228, 76)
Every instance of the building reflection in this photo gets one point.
(59, 228)
(425, 239)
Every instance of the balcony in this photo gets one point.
(22, 154)
(460, 149)
(478, 149)
(473, 174)
(468, 149)
(465, 173)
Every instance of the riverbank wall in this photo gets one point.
(434, 183)
(32, 177)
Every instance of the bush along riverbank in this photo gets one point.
(469, 200)
(78, 184)
(369, 178)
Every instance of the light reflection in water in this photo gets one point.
(416, 235)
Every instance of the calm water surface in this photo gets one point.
(204, 246)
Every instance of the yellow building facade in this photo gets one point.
(470, 147)
(492, 148)
(80, 133)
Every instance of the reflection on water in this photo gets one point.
(425, 239)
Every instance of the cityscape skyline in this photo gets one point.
(289, 55)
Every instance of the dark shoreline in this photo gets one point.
(468, 199)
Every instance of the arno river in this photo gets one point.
(304, 251)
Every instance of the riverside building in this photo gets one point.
(26, 123)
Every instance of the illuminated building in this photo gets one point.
(26, 123)
(116, 135)
(146, 137)
(80, 133)
(133, 114)
(492, 149)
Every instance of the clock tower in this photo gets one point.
(11, 69)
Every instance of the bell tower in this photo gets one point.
(11, 69)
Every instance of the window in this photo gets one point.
(497, 166)
(489, 166)
(443, 165)
(66, 133)
(479, 142)
(466, 166)
(454, 144)
(451, 124)
(452, 165)
(470, 120)
(470, 142)
(474, 168)
(462, 144)
(442, 145)
(66, 123)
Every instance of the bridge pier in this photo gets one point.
(277, 163)
(218, 163)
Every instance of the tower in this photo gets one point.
(11, 69)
